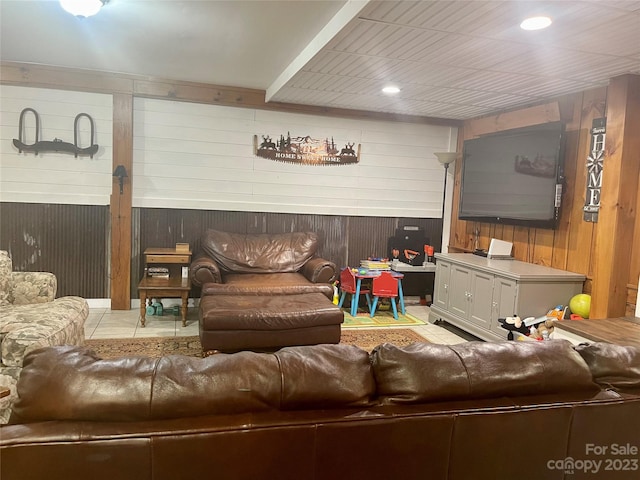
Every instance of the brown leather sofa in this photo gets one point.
(530, 410)
(261, 264)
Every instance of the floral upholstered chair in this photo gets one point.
(30, 318)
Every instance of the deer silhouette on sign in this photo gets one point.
(267, 143)
(348, 150)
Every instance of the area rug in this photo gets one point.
(190, 346)
(382, 318)
(367, 339)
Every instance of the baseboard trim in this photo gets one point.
(135, 302)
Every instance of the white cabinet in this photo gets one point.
(441, 289)
(480, 301)
(470, 295)
(459, 287)
(505, 293)
(472, 292)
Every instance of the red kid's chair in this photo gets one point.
(348, 285)
(385, 286)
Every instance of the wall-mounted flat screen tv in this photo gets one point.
(514, 176)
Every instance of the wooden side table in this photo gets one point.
(171, 287)
(620, 330)
(175, 286)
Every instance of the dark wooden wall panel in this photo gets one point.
(343, 240)
(572, 246)
(67, 240)
(72, 241)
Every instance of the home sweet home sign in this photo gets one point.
(306, 150)
(595, 162)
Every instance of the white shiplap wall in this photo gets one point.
(198, 156)
(201, 156)
(51, 177)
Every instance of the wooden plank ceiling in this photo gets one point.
(451, 59)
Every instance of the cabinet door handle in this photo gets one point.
(446, 286)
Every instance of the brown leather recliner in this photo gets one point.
(261, 264)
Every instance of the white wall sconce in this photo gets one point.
(120, 173)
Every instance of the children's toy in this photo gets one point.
(557, 312)
(513, 324)
(580, 304)
(410, 255)
(542, 331)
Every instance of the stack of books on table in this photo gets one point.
(375, 264)
(158, 272)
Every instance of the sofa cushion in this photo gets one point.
(260, 253)
(426, 372)
(71, 383)
(325, 376)
(612, 365)
(33, 287)
(24, 328)
(266, 284)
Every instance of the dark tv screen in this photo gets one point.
(514, 177)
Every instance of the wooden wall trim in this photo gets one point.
(121, 203)
(616, 220)
(199, 93)
(549, 112)
(44, 76)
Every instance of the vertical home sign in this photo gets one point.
(595, 161)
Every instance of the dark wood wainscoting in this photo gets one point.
(68, 240)
(72, 240)
(344, 240)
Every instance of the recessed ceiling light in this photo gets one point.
(535, 23)
(391, 90)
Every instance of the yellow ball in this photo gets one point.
(580, 305)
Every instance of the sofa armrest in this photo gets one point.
(319, 270)
(33, 287)
(203, 270)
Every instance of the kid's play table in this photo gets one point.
(360, 274)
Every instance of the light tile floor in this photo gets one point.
(106, 323)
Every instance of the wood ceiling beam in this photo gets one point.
(44, 76)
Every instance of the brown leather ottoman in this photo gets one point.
(230, 323)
